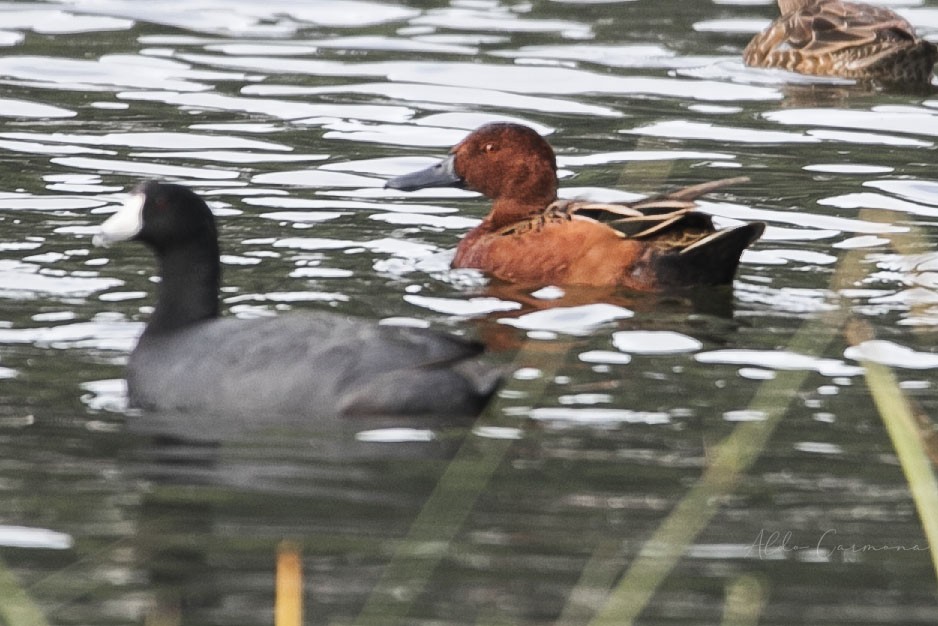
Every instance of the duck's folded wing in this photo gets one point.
(831, 27)
(655, 215)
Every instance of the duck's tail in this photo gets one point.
(909, 64)
(712, 260)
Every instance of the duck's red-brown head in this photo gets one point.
(509, 163)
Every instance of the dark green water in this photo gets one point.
(288, 117)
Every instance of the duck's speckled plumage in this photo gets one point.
(531, 237)
(845, 39)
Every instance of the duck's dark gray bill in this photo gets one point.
(443, 174)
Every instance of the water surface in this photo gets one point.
(288, 117)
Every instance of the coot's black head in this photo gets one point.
(163, 216)
(180, 230)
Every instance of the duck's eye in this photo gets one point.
(489, 147)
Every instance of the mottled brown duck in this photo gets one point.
(846, 39)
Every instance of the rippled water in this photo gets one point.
(288, 116)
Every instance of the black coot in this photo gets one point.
(191, 360)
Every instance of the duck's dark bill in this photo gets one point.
(442, 174)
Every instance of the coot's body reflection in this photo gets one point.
(214, 511)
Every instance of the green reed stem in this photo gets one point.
(745, 599)
(741, 448)
(443, 514)
(427, 542)
(894, 407)
(732, 457)
(16, 607)
(903, 430)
